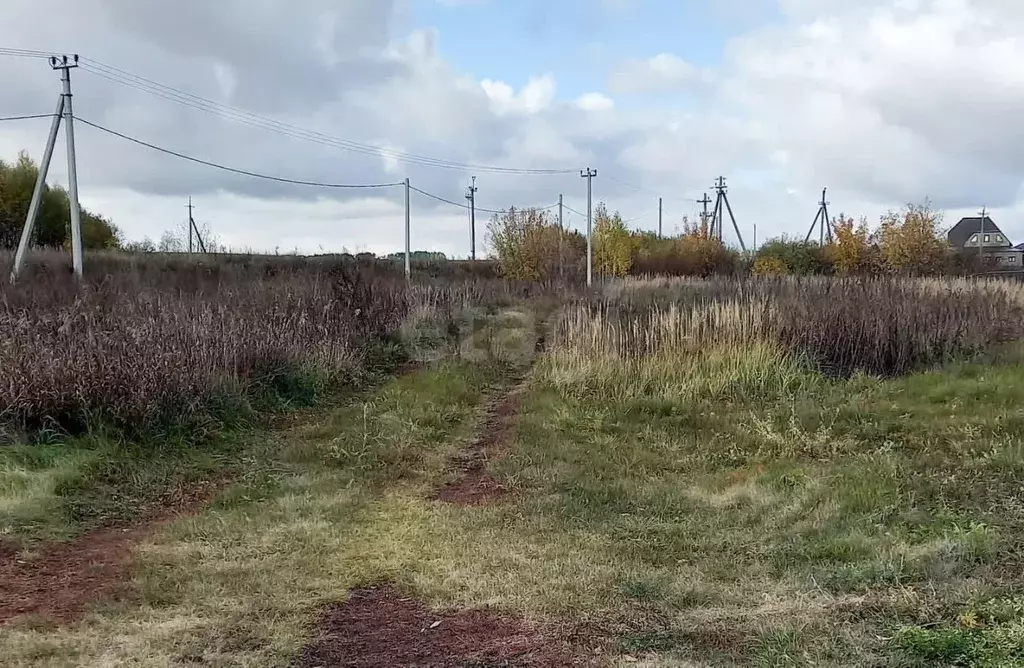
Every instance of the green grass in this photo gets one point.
(726, 511)
(337, 499)
(791, 519)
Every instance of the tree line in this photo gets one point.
(528, 244)
(53, 224)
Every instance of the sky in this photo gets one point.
(884, 102)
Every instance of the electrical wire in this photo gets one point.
(234, 170)
(478, 209)
(143, 84)
(24, 53)
(641, 217)
(25, 118)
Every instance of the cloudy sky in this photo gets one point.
(883, 101)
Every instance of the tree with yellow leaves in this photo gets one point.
(529, 246)
(613, 243)
(851, 249)
(911, 241)
(770, 265)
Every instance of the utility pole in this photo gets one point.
(589, 175)
(408, 239)
(63, 112)
(194, 229)
(821, 221)
(704, 214)
(561, 240)
(659, 217)
(754, 248)
(471, 196)
(65, 67)
(37, 194)
(981, 239)
(190, 224)
(721, 200)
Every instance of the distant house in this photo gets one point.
(971, 233)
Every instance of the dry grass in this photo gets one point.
(842, 326)
(721, 504)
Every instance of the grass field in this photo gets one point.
(693, 480)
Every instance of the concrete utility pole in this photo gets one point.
(821, 221)
(719, 215)
(37, 194)
(190, 224)
(589, 175)
(65, 67)
(408, 237)
(64, 112)
(704, 214)
(561, 240)
(471, 196)
(659, 217)
(194, 229)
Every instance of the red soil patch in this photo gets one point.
(377, 627)
(66, 578)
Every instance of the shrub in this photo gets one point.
(147, 343)
(882, 326)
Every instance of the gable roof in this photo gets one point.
(961, 233)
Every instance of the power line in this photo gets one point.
(465, 206)
(641, 217)
(234, 170)
(23, 53)
(25, 118)
(143, 84)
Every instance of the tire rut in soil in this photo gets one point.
(475, 485)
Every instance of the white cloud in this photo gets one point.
(535, 96)
(883, 101)
(664, 72)
(595, 102)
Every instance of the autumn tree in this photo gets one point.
(770, 265)
(613, 243)
(529, 246)
(851, 249)
(911, 241)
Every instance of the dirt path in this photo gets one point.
(66, 578)
(475, 485)
(377, 626)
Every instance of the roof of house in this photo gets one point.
(961, 233)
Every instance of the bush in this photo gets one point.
(148, 343)
(881, 326)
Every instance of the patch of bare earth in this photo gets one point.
(378, 627)
(475, 485)
(64, 579)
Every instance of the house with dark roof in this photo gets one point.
(973, 234)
